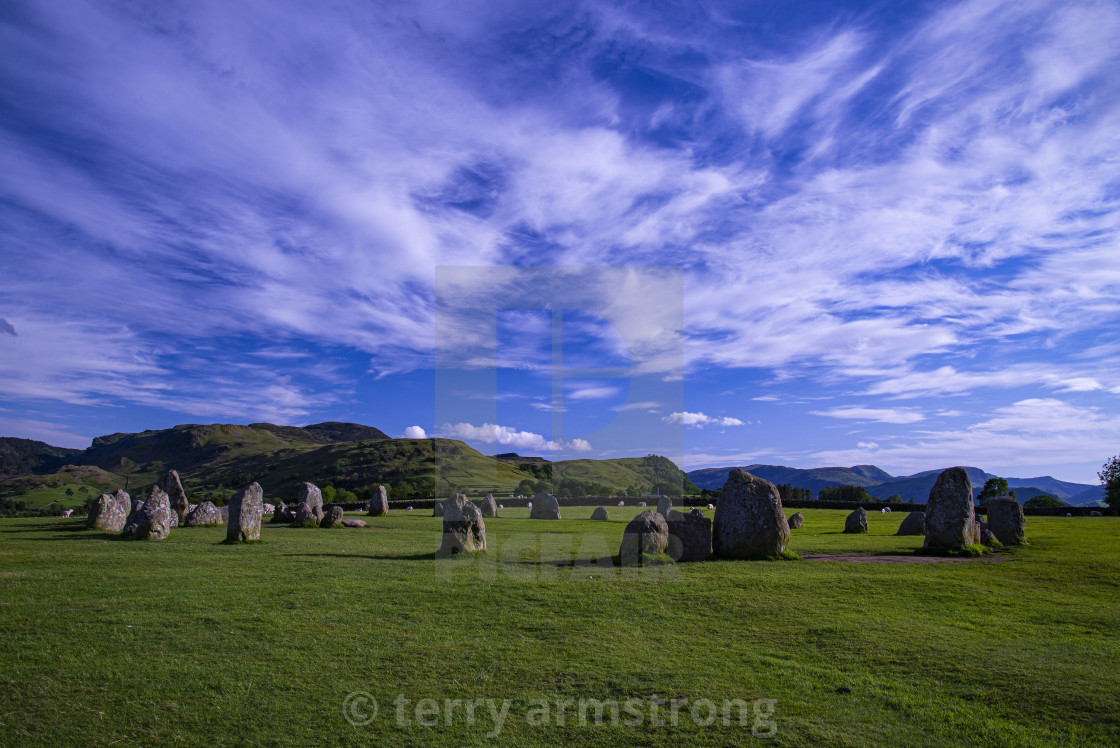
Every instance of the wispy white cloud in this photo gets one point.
(879, 415)
(700, 420)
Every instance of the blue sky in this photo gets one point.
(837, 234)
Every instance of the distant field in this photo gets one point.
(196, 643)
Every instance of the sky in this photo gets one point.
(731, 233)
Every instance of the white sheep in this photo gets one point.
(711, 506)
(530, 505)
(408, 509)
(622, 503)
(501, 506)
(886, 510)
(269, 509)
(67, 512)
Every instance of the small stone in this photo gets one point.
(332, 517)
(489, 507)
(664, 506)
(913, 524)
(1006, 520)
(600, 513)
(464, 530)
(438, 509)
(203, 515)
(545, 506)
(796, 520)
(305, 516)
(856, 521)
(353, 523)
(281, 513)
(646, 534)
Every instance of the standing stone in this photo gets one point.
(856, 521)
(353, 523)
(489, 506)
(245, 511)
(152, 519)
(1095, 513)
(913, 524)
(280, 513)
(987, 537)
(664, 506)
(332, 517)
(950, 518)
(310, 494)
(306, 517)
(648, 533)
(171, 486)
(796, 520)
(690, 537)
(438, 508)
(545, 506)
(749, 520)
(1006, 520)
(379, 504)
(600, 513)
(202, 515)
(464, 530)
(110, 512)
(224, 511)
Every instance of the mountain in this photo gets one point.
(813, 478)
(882, 485)
(24, 456)
(214, 459)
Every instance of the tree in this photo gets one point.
(895, 499)
(1044, 501)
(993, 488)
(1110, 479)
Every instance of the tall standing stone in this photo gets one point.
(749, 520)
(280, 513)
(489, 506)
(245, 511)
(856, 521)
(545, 506)
(646, 534)
(464, 530)
(1006, 520)
(664, 506)
(950, 517)
(690, 537)
(152, 519)
(176, 496)
(110, 512)
(379, 504)
(305, 516)
(439, 507)
(310, 494)
(913, 524)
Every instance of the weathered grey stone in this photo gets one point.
(664, 506)
(795, 520)
(202, 515)
(379, 504)
(642, 503)
(856, 521)
(306, 517)
(177, 497)
(353, 523)
(545, 506)
(332, 517)
(987, 537)
(110, 512)
(245, 511)
(672, 515)
(913, 524)
(310, 494)
(648, 533)
(1006, 520)
(281, 513)
(224, 509)
(749, 520)
(690, 537)
(1095, 513)
(600, 513)
(950, 517)
(697, 510)
(152, 519)
(439, 508)
(488, 506)
(464, 530)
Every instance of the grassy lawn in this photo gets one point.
(191, 642)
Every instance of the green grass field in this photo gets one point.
(191, 642)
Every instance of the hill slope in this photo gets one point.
(25, 456)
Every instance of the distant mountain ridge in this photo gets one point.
(883, 485)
